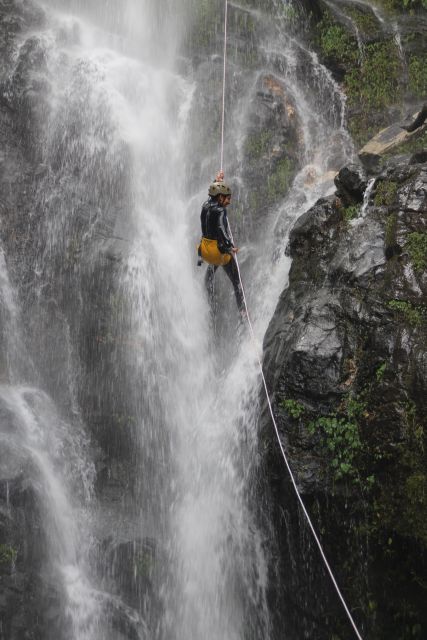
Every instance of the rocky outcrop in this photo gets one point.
(387, 140)
(345, 357)
(29, 606)
(351, 184)
(267, 157)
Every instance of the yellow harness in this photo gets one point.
(209, 252)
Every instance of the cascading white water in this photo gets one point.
(53, 454)
(116, 147)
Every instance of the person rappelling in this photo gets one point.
(216, 246)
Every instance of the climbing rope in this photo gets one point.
(285, 458)
(257, 350)
(223, 84)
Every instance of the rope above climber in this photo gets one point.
(216, 246)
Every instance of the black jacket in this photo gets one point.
(215, 225)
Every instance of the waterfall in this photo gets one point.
(52, 456)
(129, 371)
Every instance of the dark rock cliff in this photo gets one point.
(346, 362)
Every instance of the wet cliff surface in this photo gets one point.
(345, 355)
(344, 351)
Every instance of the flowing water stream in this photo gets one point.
(115, 145)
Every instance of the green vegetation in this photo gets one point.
(385, 194)
(375, 83)
(349, 213)
(416, 246)
(294, 408)
(335, 42)
(289, 13)
(416, 142)
(417, 69)
(410, 506)
(403, 5)
(340, 437)
(411, 313)
(391, 229)
(8, 554)
(257, 144)
(372, 81)
(379, 373)
(144, 564)
(365, 21)
(207, 21)
(279, 180)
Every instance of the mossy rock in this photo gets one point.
(403, 6)
(417, 70)
(416, 246)
(385, 195)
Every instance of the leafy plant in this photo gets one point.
(294, 408)
(335, 42)
(341, 439)
(379, 373)
(340, 436)
(412, 314)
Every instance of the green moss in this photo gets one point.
(417, 142)
(390, 230)
(379, 373)
(403, 6)
(289, 13)
(385, 194)
(279, 181)
(375, 85)
(365, 21)
(207, 19)
(8, 554)
(335, 42)
(417, 69)
(257, 144)
(255, 200)
(361, 128)
(349, 213)
(144, 562)
(413, 315)
(372, 84)
(416, 246)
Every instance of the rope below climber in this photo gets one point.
(214, 211)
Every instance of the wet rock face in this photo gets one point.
(267, 157)
(345, 357)
(24, 597)
(351, 184)
(272, 147)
